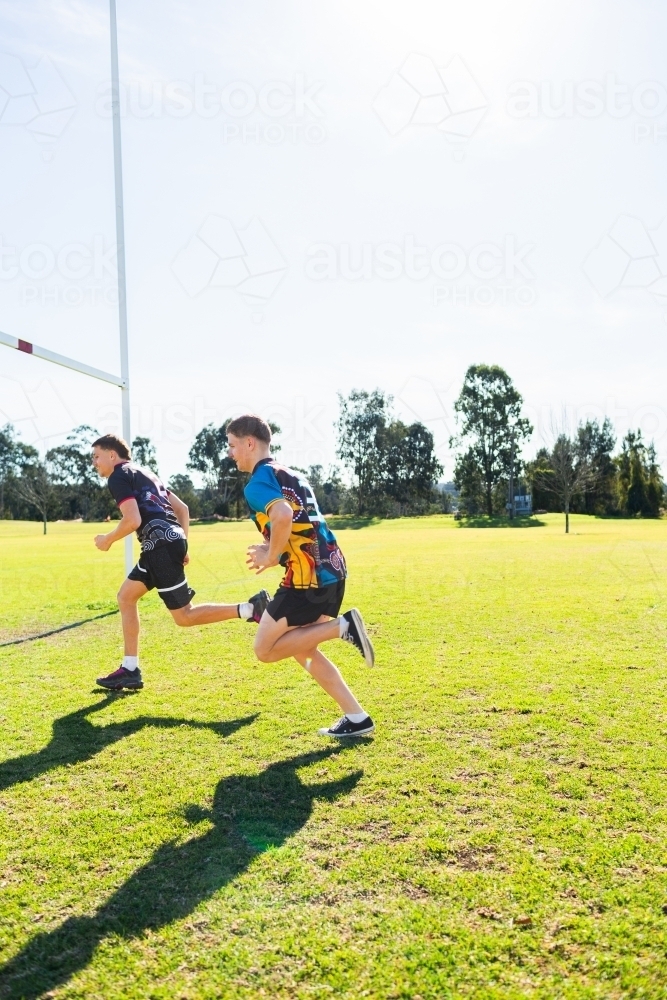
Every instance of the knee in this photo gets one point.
(124, 601)
(181, 616)
(262, 652)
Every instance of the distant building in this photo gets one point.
(452, 492)
(523, 503)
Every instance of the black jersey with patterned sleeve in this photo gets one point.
(130, 482)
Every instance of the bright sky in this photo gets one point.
(321, 197)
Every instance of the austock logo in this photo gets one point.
(419, 93)
(72, 274)
(275, 112)
(36, 98)
(630, 256)
(494, 273)
(221, 256)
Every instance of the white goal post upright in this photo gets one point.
(27, 347)
(120, 249)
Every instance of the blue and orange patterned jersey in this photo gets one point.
(312, 557)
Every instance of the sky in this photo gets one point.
(327, 197)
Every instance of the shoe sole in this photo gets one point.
(368, 651)
(119, 687)
(267, 600)
(346, 736)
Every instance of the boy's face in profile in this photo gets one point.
(243, 451)
(104, 461)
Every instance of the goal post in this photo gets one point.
(120, 247)
(26, 347)
(122, 381)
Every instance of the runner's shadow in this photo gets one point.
(75, 739)
(249, 815)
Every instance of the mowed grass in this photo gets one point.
(503, 835)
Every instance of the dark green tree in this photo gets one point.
(468, 481)
(223, 481)
(393, 465)
(78, 487)
(184, 489)
(655, 488)
(640, 487)
(637, 501)
(595, 443)
(409, 466)
(13, 456)
(491, 426)
(144, 454)
(542, 499)
(361, 423)
(329, 489)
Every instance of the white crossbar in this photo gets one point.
(41, 352)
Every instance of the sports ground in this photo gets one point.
(501, 836)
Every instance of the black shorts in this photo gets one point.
(162, 568)
(303, 607)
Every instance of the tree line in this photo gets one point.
(61, 486)
(577, 473)
(392, 468)
(385, 468)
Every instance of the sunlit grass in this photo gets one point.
(502, 836)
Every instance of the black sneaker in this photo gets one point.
(259, 603)
(346, 728)
(121, 678)
(358, 636)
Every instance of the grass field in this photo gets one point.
(502, 836)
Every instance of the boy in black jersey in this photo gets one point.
(161, 522)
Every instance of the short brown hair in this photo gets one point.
(109, 442)
(250, 425)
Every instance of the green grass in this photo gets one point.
(502, 836)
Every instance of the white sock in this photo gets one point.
(343, 626)
(131, 662)
(245, 609)
(356, 716)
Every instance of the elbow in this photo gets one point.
(180, 509)
(135, 523)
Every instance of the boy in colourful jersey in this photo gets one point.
(161, 522)
(305, 609)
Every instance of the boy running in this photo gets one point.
(161, 522)
(304, 610)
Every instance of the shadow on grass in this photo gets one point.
(75, 739)
(500, 522)
(249, 815)
(339, 522)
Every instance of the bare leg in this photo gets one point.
(273, 642)
(129, 595)
(330, 679)
(204, 614)
(273, 636)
